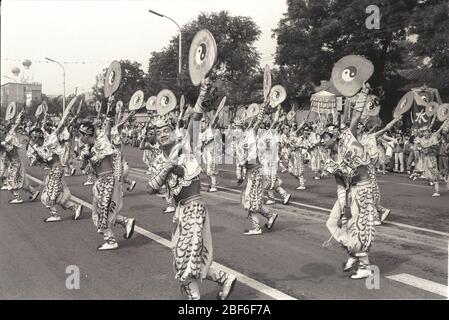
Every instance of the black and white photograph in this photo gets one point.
(212, 150)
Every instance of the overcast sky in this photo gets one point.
(97, 32)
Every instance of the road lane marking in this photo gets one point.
(252, 283)
(397, 224)
(383, 181)
(420, 283)
(321, 220)
(319, 217)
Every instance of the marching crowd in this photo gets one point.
(176, 150)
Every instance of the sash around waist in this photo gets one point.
(186, 193)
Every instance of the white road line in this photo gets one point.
(252, 283)
(397, 224)
(383, 181)
(405, 184)
(420, 283)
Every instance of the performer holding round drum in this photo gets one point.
(101, 153)
(178, 168)
(353, 229)
(16, 178)
(49, 151)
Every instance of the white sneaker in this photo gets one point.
(88, 183)
(436, 194)
(362, 273)
(213, 189)
(72, 173)
(351, 263)
(301, 188)
(108, 246)
(169, 210)
(268, 202)
(78, 212)
(147, 172)
(130, 224)
(385, 215)
(283, 170)
(16, 201)
(271, 221)
(287, 199)
(34, 195)
(227, 287)
(377, 223)
(317, 178)
(53, 219)
(253, 232)
(132, 186)
(4, 188)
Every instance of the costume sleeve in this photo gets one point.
(159, 170)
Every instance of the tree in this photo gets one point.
(314, 34)
(237, 63)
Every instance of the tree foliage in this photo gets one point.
(314, 34)
(237, 62)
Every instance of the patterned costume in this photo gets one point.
(210, 143)
(357, 234)
(191, 238)
(107, 191)
(16, 178)
(55, 188)
(315, 154)
(253, 195)
(235, 136)
(429, 149)
(121, 167)
(296, 162)
(370, 144)
(267, 147)
(354, 230)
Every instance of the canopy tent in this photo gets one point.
(325, 102)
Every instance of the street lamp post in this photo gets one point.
(63, 80)
(180, 44)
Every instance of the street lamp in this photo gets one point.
(180, 43)
(17, 90)
(63, 80)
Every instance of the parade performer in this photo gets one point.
(235, 134)
(252, 198)
(430, 144)
(369, 142)
(210, 145)
(16, 178)
(178, 169)
(148, 143)
(3, 161)
(268, 154)
(443, 158)
(296, 163)
(121, 167)
(313, 140)
(107, 190)
(349, 164)
(285, 149)
(66, 138)
(48, 152)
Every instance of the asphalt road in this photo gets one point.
(288, 262)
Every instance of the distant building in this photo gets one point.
(20, 92)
